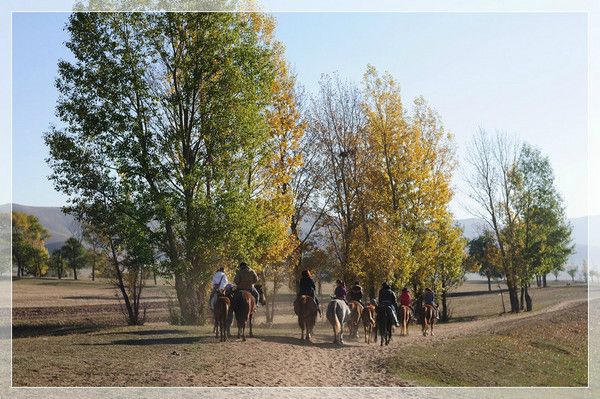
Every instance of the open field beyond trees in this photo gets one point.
(71, 333)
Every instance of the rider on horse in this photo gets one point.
(219, 282)
(245, 278)
(429, 299)
(340, 291)
(406, 300)
(387, 297)
(356, 293)
(307, 287)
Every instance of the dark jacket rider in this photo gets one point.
(387, 297)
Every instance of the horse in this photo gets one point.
(428, 319)
(338, 314)
(356, 309)
(368, 319)
(307, 310)
(385, 321)
(244, 307)
(404, 319)
(221, 311)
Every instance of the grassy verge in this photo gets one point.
(548, 351)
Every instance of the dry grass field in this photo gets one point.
(69, 333)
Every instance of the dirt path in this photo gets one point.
(288, 361)
(166, 355)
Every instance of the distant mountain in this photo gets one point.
(62, 226)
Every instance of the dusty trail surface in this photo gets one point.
(164, 355)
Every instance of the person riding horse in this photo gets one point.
(340, 290)
(429, 299)
(406, 300)
(387, 297)
(356, 293)
(307, 287)
(219, 282)
(245, 278)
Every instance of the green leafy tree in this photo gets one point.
(57, 263)
(74, 255)
(541, 233)
(513, 185)
(483, 257)
(164, 114)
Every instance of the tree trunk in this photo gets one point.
(538, 280)
(74, 273)
(191, 297)
(489, 279)
(544, 282)
(444, 316)
(94, 267)
(272, 300)
(502, 298)
(514, 300)
(522, 297)
(154, 275)
(320, 286)
(528, 300)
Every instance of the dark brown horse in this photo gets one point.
(243, 306)
(356, 309)
(368, 320)
(428, 319)
(307, 311)
(404, 319)
(221, 311)
(385, 322)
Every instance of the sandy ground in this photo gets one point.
(158, 354)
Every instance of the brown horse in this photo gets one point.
(307, 311)
(356, 309)
(428, 319)
(368, 319)
(221, 311)
(404, 319)
(243, 306)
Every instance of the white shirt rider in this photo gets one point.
(220, 279)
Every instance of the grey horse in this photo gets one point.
(338, 313)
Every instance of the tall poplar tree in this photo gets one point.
(161, 115)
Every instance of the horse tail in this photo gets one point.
(337, 327)
(333, 318)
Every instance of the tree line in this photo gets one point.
(31, 256)
(187, 144)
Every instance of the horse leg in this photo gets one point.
(335, 335)
(250, 321)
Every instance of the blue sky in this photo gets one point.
(524, 74)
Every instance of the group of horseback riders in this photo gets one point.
(246, 279)
(386, 296)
